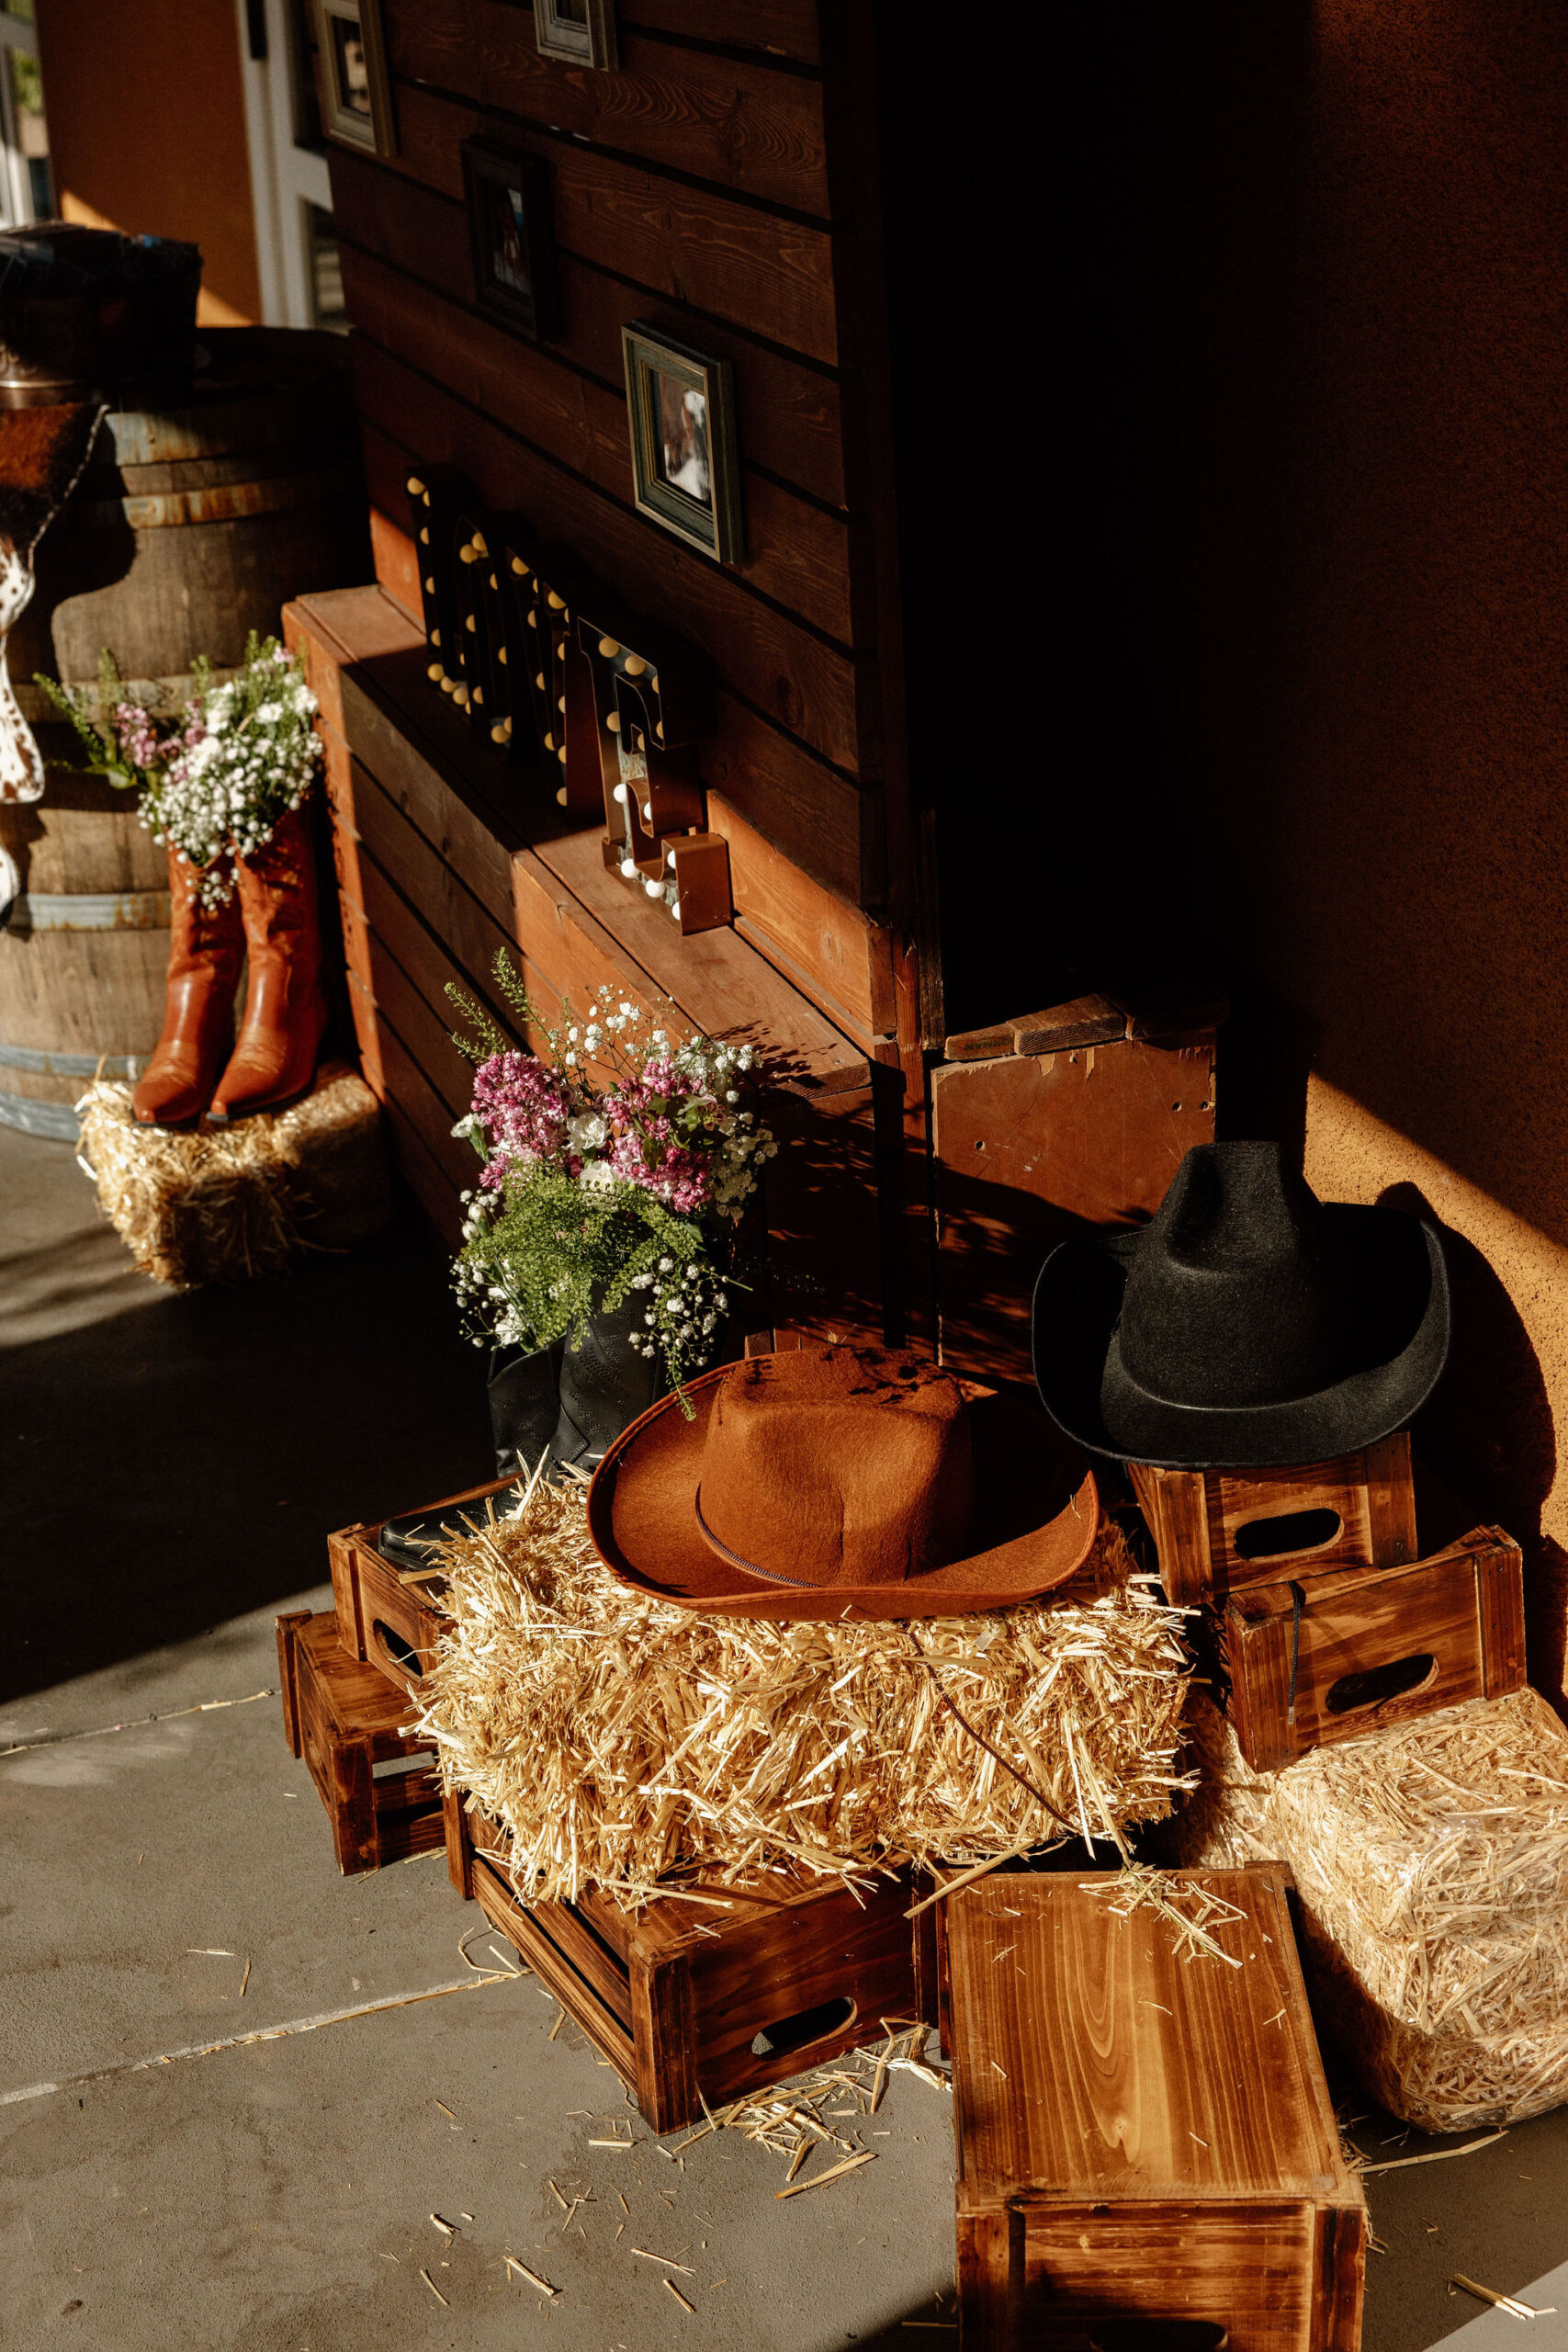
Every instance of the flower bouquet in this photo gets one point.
(215, 781)
(614, 1167)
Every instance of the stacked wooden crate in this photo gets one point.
(1320, 1620)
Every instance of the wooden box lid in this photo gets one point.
(1090, 2061)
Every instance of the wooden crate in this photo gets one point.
(381, 1789)
(391, 1618)
(1373, 1646)
(1216, 1531)
(1140, 2136)
(807, 1971)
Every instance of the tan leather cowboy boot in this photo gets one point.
(206, 946)
(285, 1008)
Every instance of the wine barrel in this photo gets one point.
(83, 952)
(190, 526)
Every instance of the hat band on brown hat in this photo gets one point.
(748, 1567)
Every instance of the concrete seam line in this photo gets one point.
(262, 2033)
(136, 1723)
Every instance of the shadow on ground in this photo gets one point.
(179, 1462)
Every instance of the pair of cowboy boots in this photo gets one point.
(199, 1068)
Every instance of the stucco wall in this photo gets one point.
(146, 132)
(1345, 253)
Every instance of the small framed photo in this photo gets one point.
(355, 92)
(685, 465)
(508, 229)
(583, 32)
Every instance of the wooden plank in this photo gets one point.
(397, 565)
(1371, 1647)
(1159, 2134)
(1391, 1500)
(796, 554)
(723, 986)
(1029, 1151)
(804, 684)
(1086, 1020)
(1220, 1530)
(782, 28)
(736, 121)
(842, 959)
(409, 1088)
(427, 882)
(425, 1177)
(789, 412)
(550, 1966)
(827, 824)
(394, 927)
(756, 269)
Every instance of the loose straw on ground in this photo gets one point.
(619, 1740)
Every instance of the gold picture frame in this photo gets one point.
(355, 88)
(580, 32)
(686, 456)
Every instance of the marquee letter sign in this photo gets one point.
(555, 676)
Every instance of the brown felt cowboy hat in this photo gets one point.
(841, 1481)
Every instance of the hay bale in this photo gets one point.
(245, 1200)
(1432, 1864)
(618, 1738)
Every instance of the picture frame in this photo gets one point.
(686, 456)
(354, 88)
(508, 197)
(580, 32)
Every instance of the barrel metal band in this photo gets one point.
(41, 1061)
(90, 911)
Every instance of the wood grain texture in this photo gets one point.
(838, 955)
(754, 268)
(806, 684)
(1029, 1151)
(346, 1716)
(795, 553)
(675, 1993)
(1158, 2136)
(1197, 1519)
(1086, 1020)
(741, 123)
(1459, 1614)
(789, 412)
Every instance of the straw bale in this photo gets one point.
(1432, 1863)
(620, 1739)
(245, 1200)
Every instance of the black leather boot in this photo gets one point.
(604, 1384)
(524, 1407)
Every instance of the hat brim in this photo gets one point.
(1398, 1284)
(1037, 1512)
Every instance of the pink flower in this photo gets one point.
(524, 1109)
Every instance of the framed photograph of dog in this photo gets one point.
(350, 68)
(509, 231)
(583, 32)
(685, 462)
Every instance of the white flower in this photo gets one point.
(589, 1131)
(270, 713)
(598, 1176)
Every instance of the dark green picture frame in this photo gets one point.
(681, 405)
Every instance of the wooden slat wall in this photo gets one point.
(692, 188)
(702, 188)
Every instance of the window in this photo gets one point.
(291, 192)
(26, 185)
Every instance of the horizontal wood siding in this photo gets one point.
(705, 188)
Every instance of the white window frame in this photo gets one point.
(16, 183)
(285, 178)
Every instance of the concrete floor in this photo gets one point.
(173, 1466)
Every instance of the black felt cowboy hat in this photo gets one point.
(1249, 1325)
(839, 1481)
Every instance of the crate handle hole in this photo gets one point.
(1292, 1530)
(398, 1650)
(806, 2026)
(1378, 1684)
